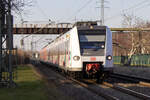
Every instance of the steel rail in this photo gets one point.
(114, 86)
(127, 91)
(132, 78)
(141, 81)
(101, 94)
(124, 90)
(104, 95)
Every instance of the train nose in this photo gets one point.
(92, 68)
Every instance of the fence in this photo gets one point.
(5, 70)
(135, 60)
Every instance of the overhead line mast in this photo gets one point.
(6, 44)
(102, 12)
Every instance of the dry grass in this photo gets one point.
(30, 87)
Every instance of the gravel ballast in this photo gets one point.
(143, 72)
(64, 88)
(61, 88)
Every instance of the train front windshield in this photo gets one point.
(92, 42)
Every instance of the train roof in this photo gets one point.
(95, 27)
(82, 28)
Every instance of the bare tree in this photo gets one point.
(132, 21)
(16, 6)
(140, 39)
(127, 20)
(137, 41)
(19, 5)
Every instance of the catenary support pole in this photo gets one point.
(10, 41)
(102, 12)
(0, 40)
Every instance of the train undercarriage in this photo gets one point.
(99, 76)
(90, 71)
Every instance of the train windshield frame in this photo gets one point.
(92, 42)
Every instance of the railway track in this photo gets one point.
(129, 77)
(119, 88)
(107, 96)
(86, 86)
(123, 90)
(127, 91)
(141, 81)
(104, 95)
(44, 76)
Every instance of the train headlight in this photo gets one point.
(91, 27)
(109, 57)
(102, 46)
(76, 58)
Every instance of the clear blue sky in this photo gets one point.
(68, 10)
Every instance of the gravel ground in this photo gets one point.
(130, 85)
(60, 88)
(115, 93)
(143, 72)
(139, 88)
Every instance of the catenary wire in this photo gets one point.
(128, 9)
(80, 9)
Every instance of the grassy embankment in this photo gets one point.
(29, 87)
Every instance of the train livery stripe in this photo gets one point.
(70, 57)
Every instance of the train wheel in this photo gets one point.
(72, 74)
(100, 77)
(79, 75)
(85, 75)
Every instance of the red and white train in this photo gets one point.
(85, 50)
